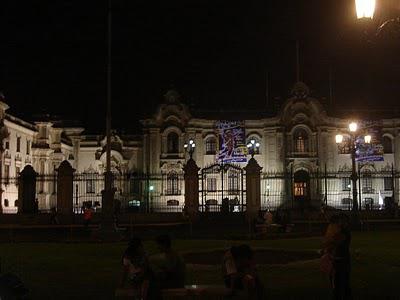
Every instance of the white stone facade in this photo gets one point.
(300, 137)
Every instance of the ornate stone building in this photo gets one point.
(298, 154)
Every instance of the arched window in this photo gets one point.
(387, 145)
(211, 145)
(173, 183)
(172, 142)
(256, 140)
(300, 141)
(6, 204)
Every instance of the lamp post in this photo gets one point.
(189, 147)
(253, 147)
(353, 128)
(365, 10)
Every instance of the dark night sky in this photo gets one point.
(216, 53)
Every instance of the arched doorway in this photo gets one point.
(301, 187)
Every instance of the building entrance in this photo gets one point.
(301, 187)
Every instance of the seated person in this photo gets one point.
(240, 273)
(168, 265)
(137, 272)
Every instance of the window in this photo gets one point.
(346, 201)
(388, 183)
(346, 184)
(387, 144)
(28, 147)
(18, 144)
(172, 183)
(6, 204)
(17, 171)
(367, 182)
(300, 141)
(300, 188)
(7, 145)
(90, 185)
(172, 203)
(6, 174)
(173, 143)
(211, 145)
(211, 184)
(233, 182)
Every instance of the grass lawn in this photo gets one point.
(91, 271)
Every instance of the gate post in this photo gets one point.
(253, 189)
(27, 190)
(191, 176)
(65, 188)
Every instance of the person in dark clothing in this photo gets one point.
(342, 261)
(169, 266)
(337, 243)
(243, 279)
(137, 272)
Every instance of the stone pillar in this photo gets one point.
(191, 188)
(253, 189)
(27, 190)
(65, 188)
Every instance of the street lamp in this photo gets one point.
(365, 10)
(353, 127)
(253, 147)
(189, 147)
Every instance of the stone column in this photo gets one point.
(253, 189)
(191, 188)
(27, 190)
(65, 188)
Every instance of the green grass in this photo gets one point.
(91, 271)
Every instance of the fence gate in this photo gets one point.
(222, 188)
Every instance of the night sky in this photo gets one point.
(216, 53)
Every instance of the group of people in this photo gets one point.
(148, 275)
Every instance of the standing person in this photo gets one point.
(36, 206)
(87, 215)
(53, 216)
(169, 265)
(136, 271)
(337, 247)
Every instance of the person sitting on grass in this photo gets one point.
(241, 275)
(137, 272)
(169, 266)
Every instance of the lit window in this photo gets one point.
(300, 141)
(233, 182)
(300, 188)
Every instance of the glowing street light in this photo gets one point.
(253, 147)
(189, 147)
(365, 9)
(353, 127)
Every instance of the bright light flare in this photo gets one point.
(353, 126)
(339, 138)
(365, 8)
